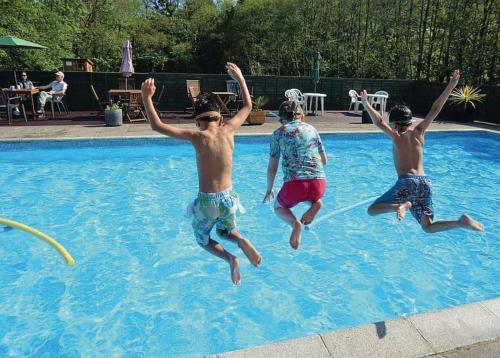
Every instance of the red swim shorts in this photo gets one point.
(297, 191)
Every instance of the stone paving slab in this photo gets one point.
(493, 306)
(394, 338)
(307, 347)
(457, 327)
(480, 350)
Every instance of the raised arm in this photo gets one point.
(439, 103)
(375, 116)
(148, 89)
(272, 169)
(243, 113)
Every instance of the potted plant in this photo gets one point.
(258, 114)
(113, 115)
(463, 102)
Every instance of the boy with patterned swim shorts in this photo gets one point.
(217, 203)
(303, 158)
(413, 190)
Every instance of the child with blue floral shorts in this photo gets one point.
(413, 190)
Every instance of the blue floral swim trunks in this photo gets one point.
(210, 209)
(416, 189)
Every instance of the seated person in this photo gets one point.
(57, 87)
(24, 83)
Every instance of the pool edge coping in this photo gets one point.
(419, 335)
(61, 139)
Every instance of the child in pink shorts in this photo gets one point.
(303, 153)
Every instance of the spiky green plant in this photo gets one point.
(259, 103)
(465, 95)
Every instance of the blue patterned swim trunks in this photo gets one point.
(416, 189)
(210, 209)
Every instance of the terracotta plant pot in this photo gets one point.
(256, 117)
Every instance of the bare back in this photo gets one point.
(214, 158)
(408, 148)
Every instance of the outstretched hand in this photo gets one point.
(269, 196)
(234, 71)
(364, 95)
(148, 88)
(455, 76)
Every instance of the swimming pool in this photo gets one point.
(142, 287)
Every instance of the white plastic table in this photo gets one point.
(308, 101)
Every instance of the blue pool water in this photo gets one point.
(141, 287)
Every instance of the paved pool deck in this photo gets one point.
(330, 123)
(471, 330)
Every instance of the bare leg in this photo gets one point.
(310, 214)
(216, 249)
(400, 209)
(244, 244)
(286, 215)
(465, 222)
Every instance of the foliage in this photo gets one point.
(113, 107)
(412, 39)
(466, 95)
(259, 102)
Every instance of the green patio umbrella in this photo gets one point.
(14, 42)
(315, 70)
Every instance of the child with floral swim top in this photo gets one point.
(303, 153)
(216, 203)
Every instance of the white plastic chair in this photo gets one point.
(355, 100)
(380, 102)
(300, 97)
(290, 95)
(294, 94)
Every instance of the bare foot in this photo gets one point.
(310, 214)
(295, 236)
(250, 251)
(235, 271)
(468, 223)
(402, 210)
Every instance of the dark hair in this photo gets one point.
(206, 102)
(400, 114)
(289, 109)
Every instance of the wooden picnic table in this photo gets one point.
(132, 105)
(113, 93)
(27, 92)
(223, 98)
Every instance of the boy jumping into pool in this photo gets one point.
(216, 203)
(303, 158)
(413, 190)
